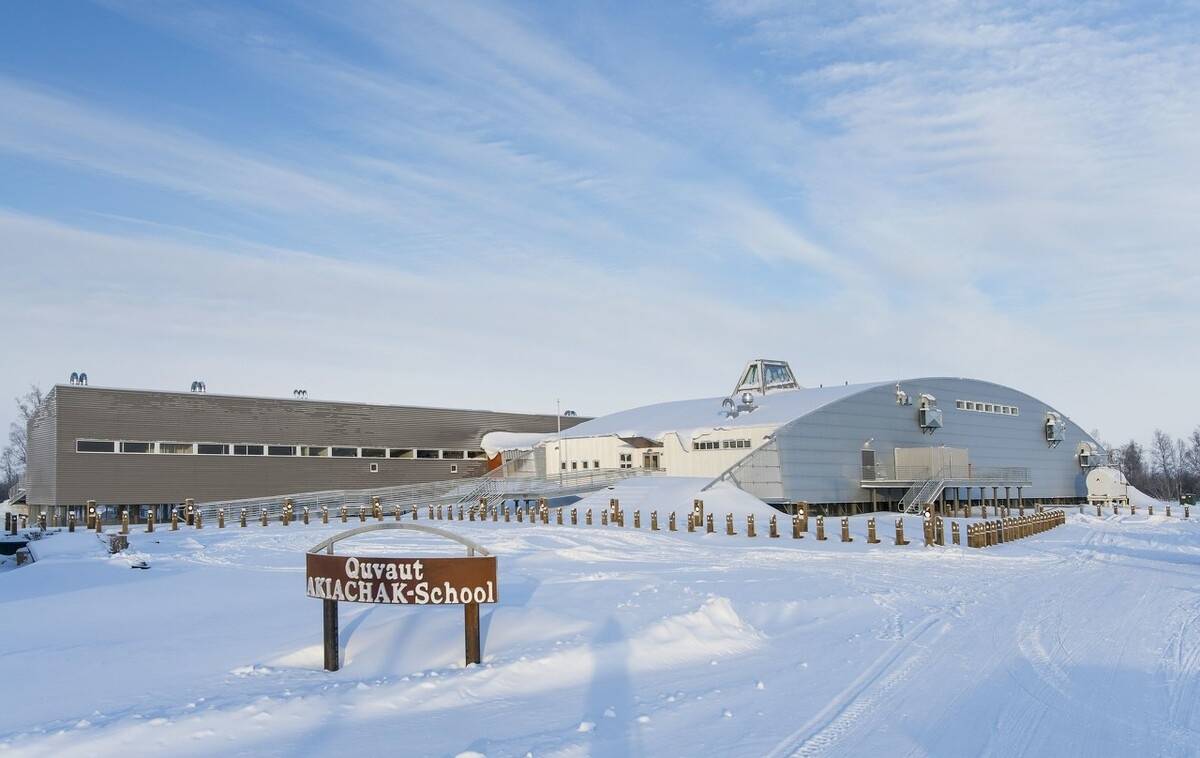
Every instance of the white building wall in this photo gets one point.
(676, 456)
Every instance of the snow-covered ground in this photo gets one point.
(1082, 641)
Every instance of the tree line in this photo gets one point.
(1166, 468)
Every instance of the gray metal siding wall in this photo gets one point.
(95, 413)
(41, 452)
(820, 453)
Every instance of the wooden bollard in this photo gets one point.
(1097, 510)
(124, 521)
(900, 532)
(846, 530)
(927, 529)
(954, 536)
(729, 525)
(221, 518)
(99, 522)
(671, 526)
(691, 522)
(604, 518)
(939, 531)
(198, 520)
(174, 519)
(91, 515)
(803, 513)
(574, 517)
(305, 515)
(637, 519)
(470, 514)
(262, 514)
(558, 517)
(70, 523)
(698, 511)
(460, 513)
(872, 537)
(820, 528)
(773, 528)
(189, 510)
(1187, 511)
(1150, 509)
(708, 524)
(242, 518)
(495, 514)
(796, 527)
(1168, 510)
(1132, 508)
(587, 517)
(654, 521)
(750, 525)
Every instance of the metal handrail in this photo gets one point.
(328, 544)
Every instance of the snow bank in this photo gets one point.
(1142, 500)
(676, 493)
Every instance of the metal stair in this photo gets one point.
(921, 494)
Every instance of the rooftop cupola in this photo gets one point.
(763, 376)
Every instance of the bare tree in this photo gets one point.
(1132, 463)
(16, 454)
(1164, 456)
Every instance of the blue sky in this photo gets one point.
(613, 203)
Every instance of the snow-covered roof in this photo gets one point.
(684, 416)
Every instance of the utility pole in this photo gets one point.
(558, 420)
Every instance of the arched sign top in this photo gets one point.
(472, 546)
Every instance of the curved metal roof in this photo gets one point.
(772, 409)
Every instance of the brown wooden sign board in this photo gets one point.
(465, 581)
(401, 581)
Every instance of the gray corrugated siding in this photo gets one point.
(41, 452)
(820, 453)
(96, 413)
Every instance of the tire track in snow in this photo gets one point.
(865, 693)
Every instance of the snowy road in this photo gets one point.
(1082, 641)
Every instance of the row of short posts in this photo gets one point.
(999, 531)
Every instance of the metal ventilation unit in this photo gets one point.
(1089, 456)
(1056, 429)
(929, 415)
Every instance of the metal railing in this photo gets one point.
(886, 472)
(495, 485)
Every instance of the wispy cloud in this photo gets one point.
(869, 188)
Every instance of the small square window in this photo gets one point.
(595, 464)
(374, 468)
(454, 468)
(574, 465)
(563, 465)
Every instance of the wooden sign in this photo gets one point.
(465, 581)
(401, 581)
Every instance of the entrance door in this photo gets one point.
(868, 465)
(650, 460)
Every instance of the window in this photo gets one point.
(626, 460)
(1003, 410)
(315, 452)
(247, 449)
(585, 464)
(574, 465)
(476, 455)
(281, 450)
(595, 464)
(455, 455)
(373, 452)
(562, 466)
(176, 448)
(400, 452)
(429, 454)
(344, 452)
(454, 469)
(94, 446)
(212, 448)
(137, 447)
(374, 468)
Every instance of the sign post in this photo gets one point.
(401, 581)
